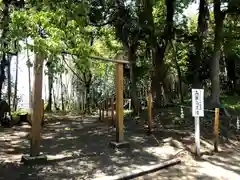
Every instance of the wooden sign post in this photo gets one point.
(197, 112)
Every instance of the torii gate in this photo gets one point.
(37, 105)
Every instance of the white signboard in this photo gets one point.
(197, 103)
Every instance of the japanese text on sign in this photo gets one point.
(197, 102)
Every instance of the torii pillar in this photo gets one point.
(119, 143)
(36, 115)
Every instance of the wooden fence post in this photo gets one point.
(149, 112)
(216, 129)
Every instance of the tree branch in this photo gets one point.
(72, 70)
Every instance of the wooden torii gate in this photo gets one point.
(119, 86)
(35, 135)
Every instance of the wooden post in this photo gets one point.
(216, 129)
(149, 112)
(119, 102)
(36, 106)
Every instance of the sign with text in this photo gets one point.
(197, 102)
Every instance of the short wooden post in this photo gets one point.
(216, 129)
(37, 106)
(119, 102)
(149, 112)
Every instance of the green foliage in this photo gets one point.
(75, 30)
(231, 102)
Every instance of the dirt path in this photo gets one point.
(222, 166)
(78, 148)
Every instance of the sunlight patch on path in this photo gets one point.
(217, 171)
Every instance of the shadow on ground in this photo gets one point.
(78, 148)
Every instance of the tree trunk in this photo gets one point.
(159, 46)
(53, 94)
(88, 99)
(4, 45)
(215, 68)
(201, 34)
(50, 86)
(9, 82)
(29, 64)
(62, 96)
(15, 102)
(133, 79)
(160, 72)
(179, 73)
(36, 118)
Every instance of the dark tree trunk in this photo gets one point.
(178, 71)
(9, 81)
(5, 29)
(87, 80)
(29, 64)
(159, 49)
(88, 99)
(50, 86)
(201, 34)
(62, 95)
(15, 102)
(133, 79)
(215, 68)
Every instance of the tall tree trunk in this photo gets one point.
(88, 99)
(62, 93)
(50, 86)
(9, 82)
(4, 43)
(178, 71)
(15, 102)
(36, 106)
(158, 46)
(133, 79)
(218, 30)
(29, 65)
(53, 94)
(201, 34)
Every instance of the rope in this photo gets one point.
(189, 107)
(206, 110)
